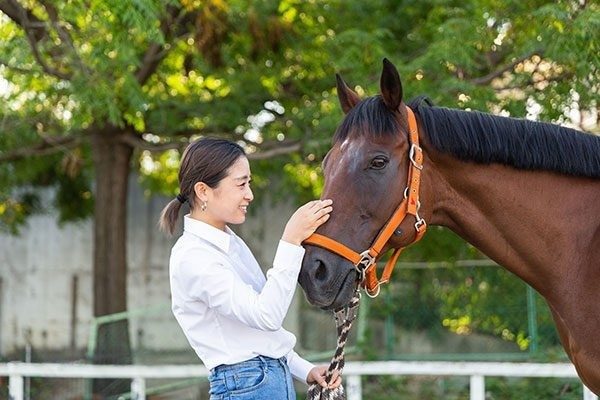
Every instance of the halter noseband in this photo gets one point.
(364, 262)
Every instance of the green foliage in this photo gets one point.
(224, 61)
(534, 388)
(73, 198)
(484, 300)
(262, 73)
(160, 170)
(14, 210)
(463, 300)
(456, 388)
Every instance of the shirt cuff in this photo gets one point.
(288, 256)
(299, 367)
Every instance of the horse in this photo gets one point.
(525, 193)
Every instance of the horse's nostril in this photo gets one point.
(321, 271)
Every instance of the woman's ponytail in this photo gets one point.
(169, 216)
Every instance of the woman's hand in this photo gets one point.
(317, 375)
(306, 220)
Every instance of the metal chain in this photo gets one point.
(343, 322)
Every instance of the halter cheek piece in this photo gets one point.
(365, 262)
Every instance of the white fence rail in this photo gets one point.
(477, 371)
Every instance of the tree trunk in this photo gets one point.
(112, 162)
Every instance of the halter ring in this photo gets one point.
(376, 292)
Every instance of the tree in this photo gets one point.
(94, 88)
(97, 89)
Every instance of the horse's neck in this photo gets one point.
(530, 222)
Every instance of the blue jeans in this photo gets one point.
(258, 378)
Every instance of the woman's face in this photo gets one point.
(228, 202)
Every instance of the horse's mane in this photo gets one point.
(523, 144)
(485, 138)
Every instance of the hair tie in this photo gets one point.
(182, 199)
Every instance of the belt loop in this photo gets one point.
(263, 364)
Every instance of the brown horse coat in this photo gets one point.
(527, 194)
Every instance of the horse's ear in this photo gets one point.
(348, 97)
(391, 87)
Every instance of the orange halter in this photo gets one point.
(365, 262)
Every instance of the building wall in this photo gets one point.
(46, 277)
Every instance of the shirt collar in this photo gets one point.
(219, 238)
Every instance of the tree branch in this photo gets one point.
(51, 145)
(486, 79)
(32, 25)
(139, 143)
(276, 151)
(150, 62)
(62, 33)
(35, 31)
(155, 54)
(270, 150)
(16, 69)
(48, 145)
(533, 83)
(47, 69)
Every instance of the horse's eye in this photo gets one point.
(378, 163)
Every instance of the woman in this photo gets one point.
(229, 311)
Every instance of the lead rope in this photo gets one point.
(343, 322)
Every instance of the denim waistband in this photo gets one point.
(256, 361)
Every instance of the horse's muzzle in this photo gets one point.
(328, 280)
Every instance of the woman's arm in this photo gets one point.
(205, 277)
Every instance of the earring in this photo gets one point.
(203, 206)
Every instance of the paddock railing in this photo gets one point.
(353, 371)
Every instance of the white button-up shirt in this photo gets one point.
(226, 307)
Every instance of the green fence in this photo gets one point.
(466, 310)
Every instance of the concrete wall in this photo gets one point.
(46, 287)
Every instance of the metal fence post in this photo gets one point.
(532, 320)
(477, 387)
(588, 394)
(15, 387)
(138, 389)
(353, 387)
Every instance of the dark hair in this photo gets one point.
(520, 143)
(205, 160)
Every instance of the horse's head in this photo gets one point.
(365, 174)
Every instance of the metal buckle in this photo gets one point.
(366, 261)
(347, 313)
(340, 316)
(406, 197)
(420, 222)
(411, 155)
